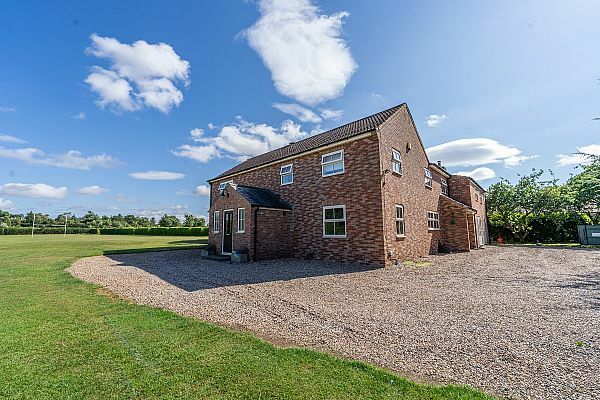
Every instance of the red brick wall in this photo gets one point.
(455, 226)
(408, 190)
(358, 189)
(273, 234)
(465, 191)
(231, 200)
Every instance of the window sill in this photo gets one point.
(400, 237)
(286, 184)
(396, 173)
(335, 236)
(428, 187)
(241, 232)
(337, 173)
(434, 229)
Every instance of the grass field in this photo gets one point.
(63, 338)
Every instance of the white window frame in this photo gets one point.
(216, 215)
(396, 161)
(428, 178)
(343, 207)
(444, 184)
(241, 228)
(433, 221)
(289, 173)
(403, 234)
(223, 185)
(324, 164)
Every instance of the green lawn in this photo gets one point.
(63, 338)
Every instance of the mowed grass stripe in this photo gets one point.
(63, 338)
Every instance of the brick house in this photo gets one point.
(362, 192)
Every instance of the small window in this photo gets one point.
(222, 185)
(241, 220)
(444, 183)
(334, 221)
(433, 220)
(428, 178)
(216, 222)
(286, 173)
(396, 162)
(400, 221)
(332, 163)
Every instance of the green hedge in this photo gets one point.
(45, 230)
(155, 231)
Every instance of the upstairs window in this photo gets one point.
(286, 173)
(428, 178)
(334, 221)
(444, 183)
(222, 185)
(241, 220)
(433, 220)
(400, 221)
(396, 162)
(216, 222)
(332, 163)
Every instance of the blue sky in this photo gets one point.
(131, 106)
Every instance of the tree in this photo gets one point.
(169, 221)
(583, 190)
(516, 206)
(191, 220)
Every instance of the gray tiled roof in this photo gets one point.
(262, 197)
(322, 139)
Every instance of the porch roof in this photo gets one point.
(262, 197)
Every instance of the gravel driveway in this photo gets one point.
(517, 322)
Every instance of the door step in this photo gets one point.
(215, 257)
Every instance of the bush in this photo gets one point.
(154, 231)
(558, 227)
(46, 230)
(157, 231)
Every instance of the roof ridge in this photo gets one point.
(328, 137)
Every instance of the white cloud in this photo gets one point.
(178, 210)
(112, 90)
(35, 190)
(80, 116)
(211, 126)
(157, 175)
(327, 113)
(92, 190)
(5, 204)
(377, 95)
(140, 74)
(303, 49)
(72, 159)
(241, 140)
(302, 113)
(7, 109)
(196, 133)
(11, 139)
(434, 120)
(578, 158)
(202, 190)
(197, 153)
(515, 161)
(124, 198)
(479, 174)
(471, 152)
